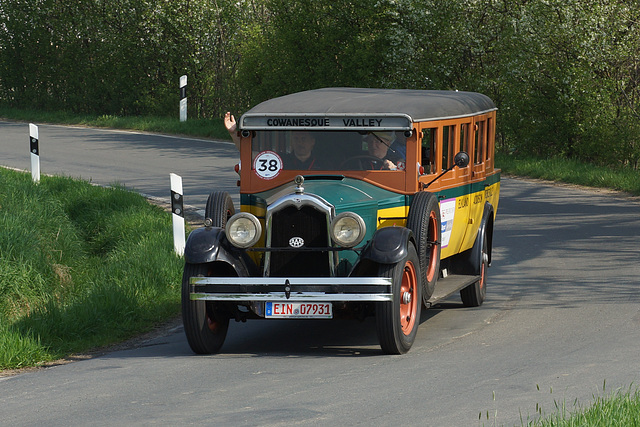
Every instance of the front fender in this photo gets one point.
(389, 245)
(209, 244)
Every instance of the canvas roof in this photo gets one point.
(418, 105)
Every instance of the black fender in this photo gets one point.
(389, 245)
(470, 261)
(210, 244)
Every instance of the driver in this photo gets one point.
(379, 145)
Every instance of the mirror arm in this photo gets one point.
(461, 160)
(438, 177)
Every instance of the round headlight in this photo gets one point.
(243, 230)
(348, 229)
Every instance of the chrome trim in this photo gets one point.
(297, 297)
(273, 281)
(299, 200)
(268, 282)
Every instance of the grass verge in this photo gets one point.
(620, 408)
(80, 267)
(572, 172)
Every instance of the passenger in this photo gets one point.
(230, 124)
(379, 145)
(302, 156)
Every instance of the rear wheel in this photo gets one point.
(219, 208)
(474, 294)
(205, 323)
(424, 221)
(397, 321)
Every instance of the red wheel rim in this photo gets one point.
(408, 298)
(433, 249)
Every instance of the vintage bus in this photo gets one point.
(354, 202)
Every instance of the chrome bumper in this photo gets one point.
(299, 289)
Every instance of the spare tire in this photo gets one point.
(219, 208)
(424, 221)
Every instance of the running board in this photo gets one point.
(449, 285)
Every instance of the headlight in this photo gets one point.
(243, 230)
(348, 229)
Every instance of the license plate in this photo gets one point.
(299, 310)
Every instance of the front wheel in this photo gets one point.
(397, 321)
(205, 323)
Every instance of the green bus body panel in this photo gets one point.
(346, 194)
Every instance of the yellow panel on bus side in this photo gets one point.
(476, 209)
(492, 195)
(454, 219)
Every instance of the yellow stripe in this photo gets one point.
(390, 217)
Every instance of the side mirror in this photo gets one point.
(461, 159)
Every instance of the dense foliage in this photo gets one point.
(564, 73)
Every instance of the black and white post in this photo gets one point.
(34, 148)
(177, 212)
(183, 98)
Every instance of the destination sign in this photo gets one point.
(365, 122)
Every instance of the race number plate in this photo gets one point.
(298, 310)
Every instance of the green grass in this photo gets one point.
(80, 267)
(620, 408)
(572, 172)
(202, 128)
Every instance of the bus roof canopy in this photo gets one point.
(398, 107)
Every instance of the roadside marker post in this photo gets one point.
(34, 148)
(177, 212)
(183, 98)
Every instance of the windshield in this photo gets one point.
(303, 150)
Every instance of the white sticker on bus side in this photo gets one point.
(447, 214)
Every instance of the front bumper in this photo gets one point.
(298, 289)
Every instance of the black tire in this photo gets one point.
(397, 321)
(474, 294)
(205, 323)
(219, 208)
(424, 221)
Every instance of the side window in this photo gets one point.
(480, 142)
(429, 138)
(448, 145)
(490, 129)
(464, 135)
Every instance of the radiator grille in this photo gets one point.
(309, 224)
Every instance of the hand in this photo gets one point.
(389, 165)
(230, 122)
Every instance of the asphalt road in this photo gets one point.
(561, 319)
(139, 161)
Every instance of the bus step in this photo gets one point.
(449, 285)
